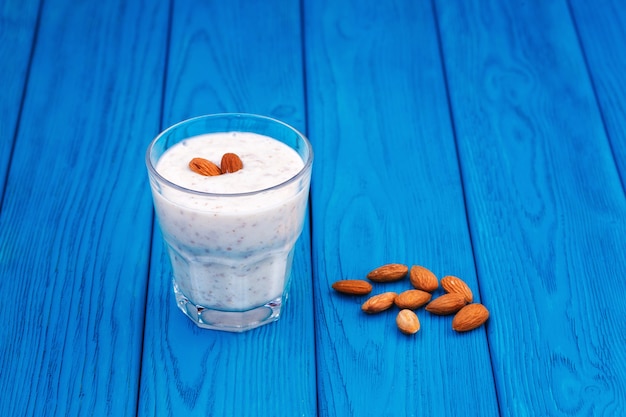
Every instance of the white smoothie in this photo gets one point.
(231, 251)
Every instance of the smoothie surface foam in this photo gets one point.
(266, 162)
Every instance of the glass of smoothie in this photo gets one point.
(230, 193)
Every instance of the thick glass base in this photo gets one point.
(229, 321)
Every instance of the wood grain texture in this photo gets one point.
(18, 21)
(545, 203)
(75, 226)
(236, 57)
(231, 57)
(602, 31)
(479, 138)
(386, 189)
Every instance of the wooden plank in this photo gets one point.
(232, 57)
(601, 27)
(18, 21)
(75, 225)
(386, 188)
(545, 203)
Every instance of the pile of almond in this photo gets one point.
(457, 299)
(230, 163)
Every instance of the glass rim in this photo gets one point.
(153, 172)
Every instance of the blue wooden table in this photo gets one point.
(482, 139)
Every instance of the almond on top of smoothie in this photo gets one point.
(204, 167)
(231, 162)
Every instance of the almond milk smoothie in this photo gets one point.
(230, 237)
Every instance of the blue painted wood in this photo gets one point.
(76, 220)
(229, 56)
(546, 208)
(386, 189)
(540, 148)
(17, 30)
(602, 31)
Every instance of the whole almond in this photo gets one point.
(457, 285)
(204, 167)
(407, 322)
(231, 163)
(446, 304)
(353, 287)
(378, 303)
(423, 279)
(470, 317)
(388, 273)
(412, 299)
